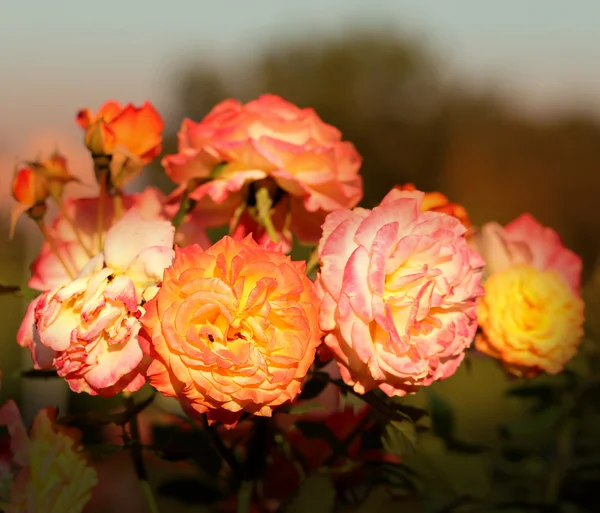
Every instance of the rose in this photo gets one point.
(438, 202)
(92, 323)
(290, 150)
(48, 272)
(526, 241)
(531, 315)
(131, 137)
(233, 328)
(52, 474)
(531, 320)
(30, 190)
(399, 289)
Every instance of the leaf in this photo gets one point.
(175, 444)
(103, 449)
(95, 418)
(9, 289)
(442, 416)
(191, 491)
(319, 430)
(315, 495)
(533, 425)
(217, 170)
(400, 437)
(39, 373)
(301, 409)
(314, 386)
(412, 412)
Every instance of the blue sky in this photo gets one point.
(58, 55)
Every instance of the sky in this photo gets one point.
(57, 56)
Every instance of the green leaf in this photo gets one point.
(400, 437)
(103, 449)
(442, 416)
(315, 495)
(39, 373)
(217, 170)
(539, 424)
(318, 430)
(301, 409)
(191, 491)
(9, 289)
(175, 444)
(314, 386)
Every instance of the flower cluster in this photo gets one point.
(132, 291)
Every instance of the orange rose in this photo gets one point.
(30, 190)
(131, 136)
(437, 202)
(285, 148)
(233, 328)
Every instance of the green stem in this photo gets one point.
(563, 455)
(264, 203)
(184, 208)
(137, 458)
(244, 498)
(223, 450)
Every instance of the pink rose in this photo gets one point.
(92, 323)
(526, 241)
(47, 272)
(399, 289)
(289, 149)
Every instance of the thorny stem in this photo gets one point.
(53, 247)
(69, 220)
(137, 458)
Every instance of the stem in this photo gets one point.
(102, 179)
(244, 498)
(313, 261)
(118, 205)
(563, 454)
(137, 458)
(184, 208)
(343, 448)
(54, 249)
(69, 220)
(264, 203)
(223, 450)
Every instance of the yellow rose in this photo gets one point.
(531, 320)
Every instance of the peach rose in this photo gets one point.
(289, 149)
(131, 136)
(233, 328)
(399, 289)
(30, 190)
(531, 315)
(92, 323)
(438, 202)
(52, 474)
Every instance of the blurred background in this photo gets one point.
(496, 104)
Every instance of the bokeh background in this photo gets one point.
(496, 104)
